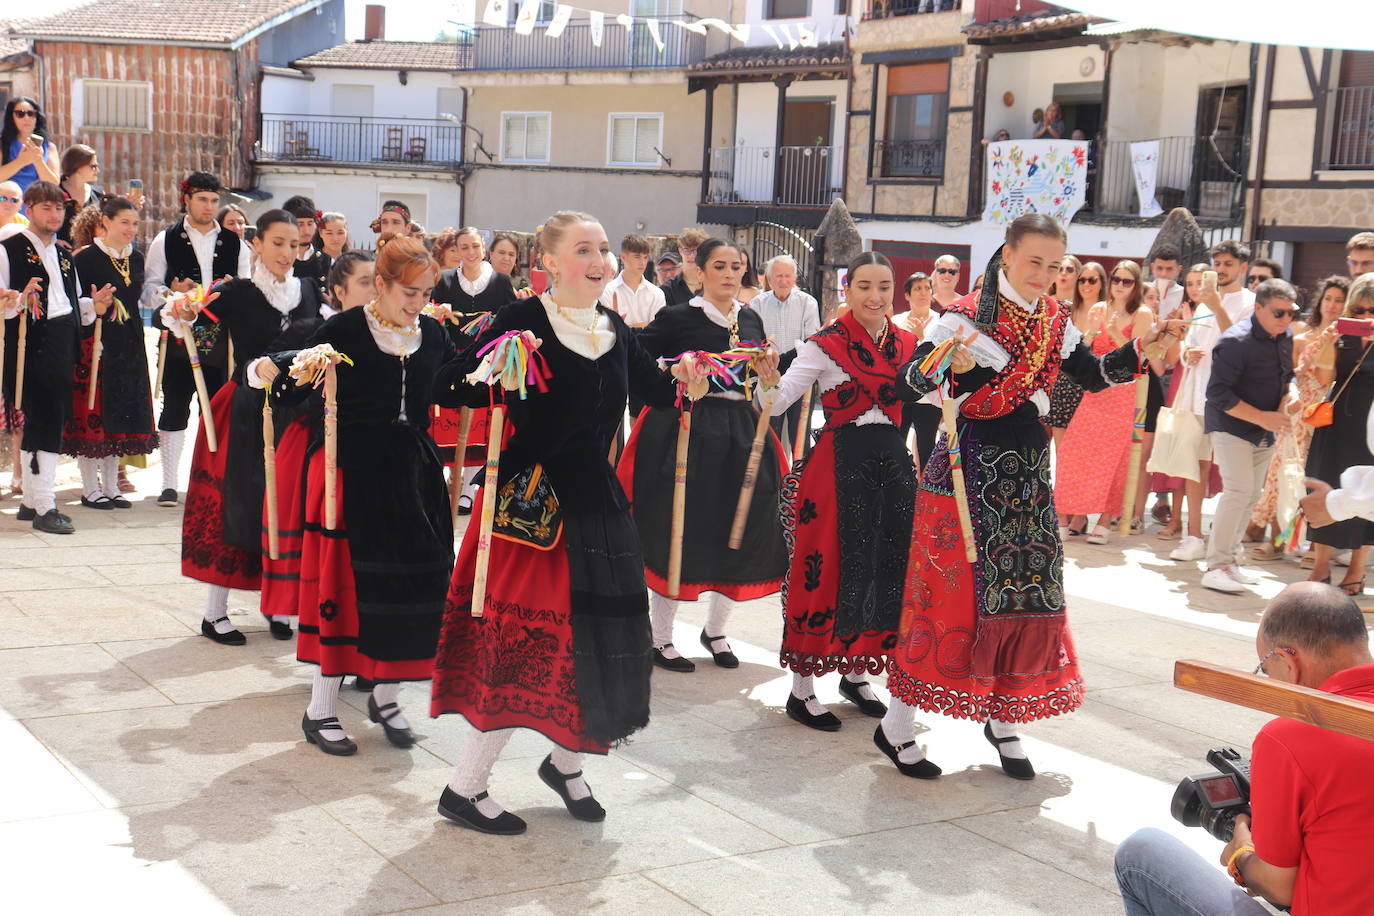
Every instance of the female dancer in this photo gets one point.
(562, 646)
(1090, 467)
(349, 285)
(924, 418)
(722, 434)
(470, 289)
(332, 237)
(1293, 442)
(221, 532)
(987, 640)
(232, 217)
(121, 420)
(846, 510)
(1344, 362)
(372, 589)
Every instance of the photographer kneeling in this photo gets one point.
(1311, 797)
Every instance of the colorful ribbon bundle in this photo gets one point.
(1292, 533)
(935, 366)
(33, 306)
(476, 326)
(193, 299)
(513, 364)
(724, 369)
(310, 365)
(119, 312)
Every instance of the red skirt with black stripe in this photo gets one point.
(444, 428)
(204, 554)
(281, 578)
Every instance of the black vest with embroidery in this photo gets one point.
(181, 257)
(26, 263)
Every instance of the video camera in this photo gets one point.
(1212, 800)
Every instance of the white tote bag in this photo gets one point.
(1178, 439)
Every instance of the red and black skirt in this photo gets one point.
(87, 434)
(444, 428)
(846, 516)
(281, 578)
(205, 553)
(722, 435)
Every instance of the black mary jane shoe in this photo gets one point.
(1015, 767)
(584, 809)
(312, 727)
(232, 638)
(363, 684)
(53, 522)
(167, 498)
(921, 769)
(278, 629)
(465, 508)
(401, 737)
(726, 659)
(850, 691)
(796, 710)
(102, 503)
(25, 513)
(119, 502)
(464, 811)
(683, 665)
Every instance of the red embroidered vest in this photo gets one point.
(1033, 343)
(872, 369)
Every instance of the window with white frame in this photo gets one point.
(113, 104)
(634, 139)
(524, 136)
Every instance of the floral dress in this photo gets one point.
(1295, 439)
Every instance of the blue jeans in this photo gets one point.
(1159, 876)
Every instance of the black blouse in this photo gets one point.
(449, 291)
(677, 328)
(254, 325)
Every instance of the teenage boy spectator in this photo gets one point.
(193, 250)
(1359, 254)
(310, 261)
(32, 262)
(1305, 843)
(668, 266)
(630, 294)
(1164, 269)
(1262, 269)
(682, 288)
(1252, 365)
(790, 315)
(943, 281)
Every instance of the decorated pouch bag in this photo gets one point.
(527, 510)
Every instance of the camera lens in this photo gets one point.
(1186, 806)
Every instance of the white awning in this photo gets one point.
(1311, 23)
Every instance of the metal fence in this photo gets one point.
(619, 48)
(804, 176)
(1204, 174)
(886, 9)
(415, 142)
(1352, 137)
(909, 158)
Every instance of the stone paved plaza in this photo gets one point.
(150, 771)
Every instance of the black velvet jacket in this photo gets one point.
(677, 328)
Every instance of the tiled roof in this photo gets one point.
(212, 22)
(1026, 25)
(830, 55)
(389, 55)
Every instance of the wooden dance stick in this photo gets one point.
(1303, 704)
(207, 419)
(331, 448)
(1142, 394)
(230, 370)
(161, 361)
(489, 486)
(751, 475)
(455, 481)
(956, 469)
(19, 360)
(269, 465)
(799, 440)
(684, 433)
(95, 363)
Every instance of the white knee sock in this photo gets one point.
(899, 727)
(387, 693)
(804, 688)
(865, 691)
(217, 606)
(90, 477)
(324, 703)
(1007, 730)
(662, 612)
(40, 492)
(109, 476)
(473, 772)
(170, 450)
(281, 618)
(717, 616)
(568, 762)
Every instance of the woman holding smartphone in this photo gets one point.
(26, 155)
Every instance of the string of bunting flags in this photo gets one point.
(497, 15)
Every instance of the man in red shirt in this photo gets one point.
(1311, 796)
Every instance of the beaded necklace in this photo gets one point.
(590, 325)
(410, 330)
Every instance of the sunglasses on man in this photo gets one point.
(947, 271)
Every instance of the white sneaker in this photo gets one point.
(1243, 577)
(1190, 549)
(1222, 579)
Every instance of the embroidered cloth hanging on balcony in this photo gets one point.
(1035, 176)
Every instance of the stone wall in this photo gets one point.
(1346, 207)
